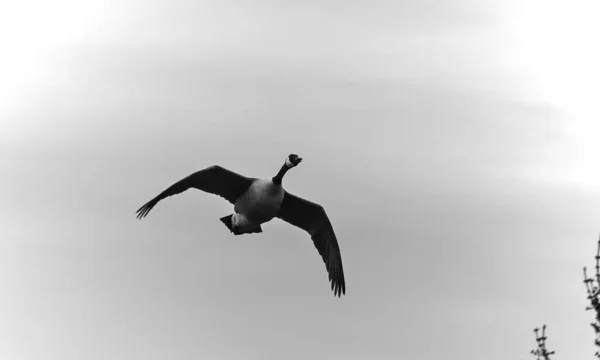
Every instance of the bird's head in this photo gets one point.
(293, 160)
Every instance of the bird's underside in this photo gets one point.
(294, 210)
(251, 230)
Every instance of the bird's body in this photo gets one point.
(259, 204)
(257, 201)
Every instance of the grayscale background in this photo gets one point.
(454, 145)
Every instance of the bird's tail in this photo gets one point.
(227, 220)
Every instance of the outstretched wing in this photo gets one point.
(312, 218)
(214, 179)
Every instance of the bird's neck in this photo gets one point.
(279, 177)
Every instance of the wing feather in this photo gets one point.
(313, 219)
(214, 179)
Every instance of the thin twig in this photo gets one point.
(593, 291)
(541, 353)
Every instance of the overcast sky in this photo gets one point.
(454, 146)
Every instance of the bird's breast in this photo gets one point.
(261, 202)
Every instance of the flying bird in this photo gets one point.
(257, 201)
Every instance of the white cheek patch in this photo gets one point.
(288, 163)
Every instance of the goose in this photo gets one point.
(257, 201)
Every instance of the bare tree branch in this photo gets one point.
(541, 353)
(592, 287)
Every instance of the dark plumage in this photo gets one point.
(214, 179)
(257, 201)
(312, 218)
